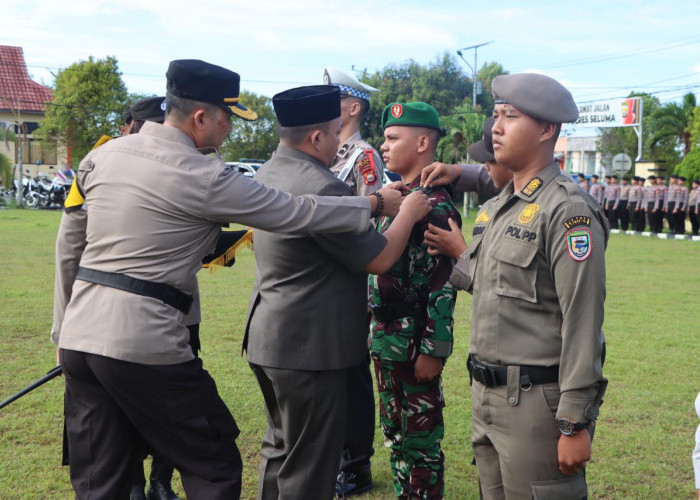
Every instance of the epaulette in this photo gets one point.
(75, 199)
(228, 245)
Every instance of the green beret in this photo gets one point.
(537, 95)
(410, 114)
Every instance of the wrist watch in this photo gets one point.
(569, 427)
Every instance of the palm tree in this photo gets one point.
(463, 127)
(673, 122)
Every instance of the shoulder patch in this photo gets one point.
(578, 220)
(528, 213)
(532, 186)
(482, 217)
(578, 243)
(366, 169)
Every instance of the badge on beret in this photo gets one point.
(396, 110)
(364, 166)
(482, 217)
(528, 213)
(532, 186)
(578, 243)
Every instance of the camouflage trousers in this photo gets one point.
(411, 419)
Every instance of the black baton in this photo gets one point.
(55, 372)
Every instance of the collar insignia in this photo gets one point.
(532, 186)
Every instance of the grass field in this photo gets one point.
(645, 433)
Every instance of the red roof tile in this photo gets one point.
(16, 87)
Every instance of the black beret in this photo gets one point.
(537, 95)
(482, 151)
(307, 105)
(651, 177)
(149, 109)
(201, 81)
(594, 176)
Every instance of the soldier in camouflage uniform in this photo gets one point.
(412, 306)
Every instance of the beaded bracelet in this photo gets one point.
(380, 205)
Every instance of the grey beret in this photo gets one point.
(482, 151)
(537, 95)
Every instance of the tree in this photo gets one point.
(690, 166)
(257, 139)
(462, 128)
(441, 84)
(485, 76)
(89, 99)
(672, 123)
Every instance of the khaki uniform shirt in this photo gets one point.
(538, 264)
(660, 194)
(682, 198)
(635, 193)
(624, 195)
(474, 177)
(596, 192)
(156, 208)
(671, 195)
(693, 199)
(367, 172)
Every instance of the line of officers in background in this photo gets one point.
(629, 203)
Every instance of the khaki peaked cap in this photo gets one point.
(537, 95)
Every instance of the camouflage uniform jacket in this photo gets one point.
(398, 339)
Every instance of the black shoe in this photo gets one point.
(353, 482)
(137, 492)
(161, 491)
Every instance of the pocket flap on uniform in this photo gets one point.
(516, 254)
(570, 488)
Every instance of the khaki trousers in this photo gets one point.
(515, 436)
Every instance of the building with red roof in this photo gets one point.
(22, 100)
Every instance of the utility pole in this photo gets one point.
(473, 68)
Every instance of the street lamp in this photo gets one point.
(473, 68)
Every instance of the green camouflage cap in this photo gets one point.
(410, 114)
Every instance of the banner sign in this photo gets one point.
(613, 113)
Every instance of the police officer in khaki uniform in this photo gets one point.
(596, 190)
(357, 163)
(621, 210)
(537, 274)
(156, 209)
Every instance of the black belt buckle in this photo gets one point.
(481, 373)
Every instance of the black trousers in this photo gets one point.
(671, 218)
(655, 220)
(116, 409)
(623, 214)
(694, 221)
(611, 215)
(359, 433)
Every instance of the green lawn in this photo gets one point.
(645, 433)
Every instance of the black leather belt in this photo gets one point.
(495, 375)
(161, 291)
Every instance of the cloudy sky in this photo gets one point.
(599, 49)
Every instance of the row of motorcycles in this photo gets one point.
(42, 192)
